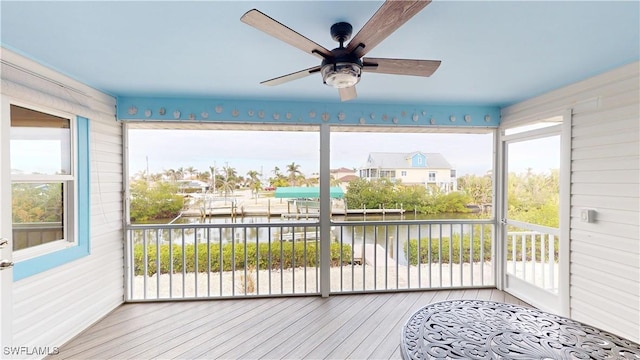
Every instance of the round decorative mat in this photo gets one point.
(476, 329)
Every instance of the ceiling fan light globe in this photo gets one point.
(341, 75)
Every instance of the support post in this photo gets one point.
(325, 211)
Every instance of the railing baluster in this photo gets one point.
(482, 255)
(460, 261)
(195, 261)
(353, 256)
(132, 265)
(246, 271)
(440, 253)
(523, 259)
(450, 255)
(533, 258)
(471, 257)
(543, 260)
(397, 255)
(208, 262)
(429, 254)
(220, 254)
(552, 261)
(341, 263)
(146, 261)
(364, 257)
(419, 263)
(317, 253)
(293, 260)
(158, 264)
(184, 265)
(514, 258)
(269, 259)
(170, 264)
(233, 262)
(386, 257)
(258, 261)
(375, 256)
(405, 251)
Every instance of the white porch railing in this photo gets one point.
(404, 255)
(532, 255)
(187, 261)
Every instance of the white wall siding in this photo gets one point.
(52, 307)
(605, 176)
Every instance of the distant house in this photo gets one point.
(190, 186)
(343, 176)
(414, 168)
(342, 172)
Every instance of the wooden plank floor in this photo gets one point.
(339, 327)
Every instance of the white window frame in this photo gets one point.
(70, 201)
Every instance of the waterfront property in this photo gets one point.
(415, 168)
(77, 78)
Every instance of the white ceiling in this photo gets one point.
(493, 52)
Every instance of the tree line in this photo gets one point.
(227, 178)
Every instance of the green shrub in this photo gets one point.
(447, 250)
(283, 255)
(437, 249)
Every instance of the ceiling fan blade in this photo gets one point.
(279, 31)
(389, 17)
(290, 77)
(348, 93)
(400, 66)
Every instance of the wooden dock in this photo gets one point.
(373, 254)
(299, 236)
(374, 211)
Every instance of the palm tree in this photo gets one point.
(254, 182)
(191, 171)
(171, 174)
(180, 173)
(203, 176)
(214, 173)
(276, 171)
(229, 181)
(293, 170)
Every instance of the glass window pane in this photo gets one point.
(533, 183)
(538, 125)
(37, 213)
(429, 175)
(40, 143)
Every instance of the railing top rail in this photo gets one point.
(37, 225)
(527, 233)
(414, 222)
(534, 227)
(310, 224)
(221, 225)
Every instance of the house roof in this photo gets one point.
(342, 170)
(293, 192)
(393, 160)
(348, 178)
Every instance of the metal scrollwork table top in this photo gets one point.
(476, 329)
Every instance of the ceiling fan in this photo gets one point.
(342, 67)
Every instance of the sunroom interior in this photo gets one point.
(518, 73)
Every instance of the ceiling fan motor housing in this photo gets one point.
(341, 32)
(342, 70)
